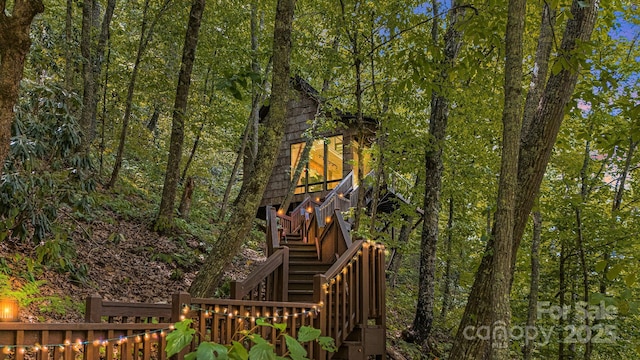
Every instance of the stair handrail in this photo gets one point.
(400, 186)
(276, 268)
(300, 216)
(333, 242)
(273, 236)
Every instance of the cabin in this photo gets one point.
(333, 155)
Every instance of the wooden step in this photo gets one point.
(300, 295)
(301, 284)
(292, 238)
(306, 266)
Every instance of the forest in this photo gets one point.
(140, 140)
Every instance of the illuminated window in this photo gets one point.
(323, 171)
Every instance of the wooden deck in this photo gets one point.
(315, 275)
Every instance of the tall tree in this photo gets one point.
(504, 217)
(535, 150)
(164, 220)
(423, 320)
(532, 312)
(14, 46)
(248, 200)
(92, 65)
(145, 37)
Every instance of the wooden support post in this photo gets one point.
(365, 292)
(93, 309)
(178, 301)
(283, 275)
(320, 298)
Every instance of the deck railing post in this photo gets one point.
(283, 275)
(93, 309)
(364, 283)
(320, 298)
(178, 301)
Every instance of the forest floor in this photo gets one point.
(117, 259)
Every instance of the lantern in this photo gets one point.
(8, 310)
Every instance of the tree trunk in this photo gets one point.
(540, 68)
(423, 320)
(14, 47)
(236, 166)
(247, 202)
(145, 38)
(527, 351)
(69, 64)
(446, 291)
(185, 203)
(87, 73)
(93, 70)
(192, 154)
(164, 221)
(561, 297)
(297, 173)
(584, 193)
(405, 231)
(104, 108)
(507, 187)
(249, 153)
(245, 153)
(617, 202)
(92, 65)
(535, 150)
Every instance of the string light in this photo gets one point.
(248, 316)
(77, 346)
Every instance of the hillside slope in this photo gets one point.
(118, 259)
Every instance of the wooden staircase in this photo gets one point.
(303, 266)
(313, 260)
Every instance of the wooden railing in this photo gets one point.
(335, 239)
(400, 186)
(300, 217)
(272, 231)
(353, 294)
(97, 310)
(267, 283)
(223, 320)
(335, 201)
(89, 341)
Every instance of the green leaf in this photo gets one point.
(280, 326)
(583, 4)
(630, 279)
(263, 322)
(557, 67)
(237, 351)
(600, 265)
(614, 272)
(262, 351)
(308, 333)
(180, 337)
(191, 356)
(296, 351)
(211, 351)
(327, 344)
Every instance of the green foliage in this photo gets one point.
(25, 294)
(60, 254)
(46, 168)
(259, 350)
